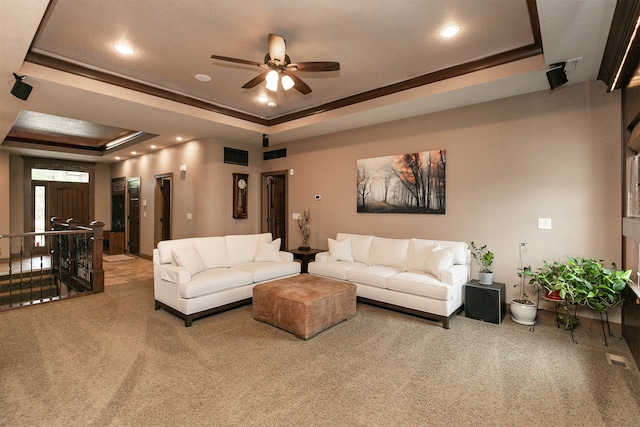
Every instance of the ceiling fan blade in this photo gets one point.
(276, 48)
(316, 66)
(299, 85)
(255, 81)
(238, 61)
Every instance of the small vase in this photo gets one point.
(485, 278)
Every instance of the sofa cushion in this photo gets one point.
(389, 252)
(243, 248)
(165, 248)
(439, 259)
(189, 258)
(214, 280)
(420, 284)
(360, 246)
(263, 271)
(268, 251)
(334, 269)
(461, 250)
(374, 275)
(340, 250)
(213, 251)
(419, 250)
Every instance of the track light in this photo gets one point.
(20, 89)
(556, 75)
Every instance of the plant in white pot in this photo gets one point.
(485, 259)
(523, 309)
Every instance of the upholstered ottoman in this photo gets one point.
(304, 305)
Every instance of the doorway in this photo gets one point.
(274, 206)
(133, 190)
(162, 210)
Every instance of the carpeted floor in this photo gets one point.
(111, 360)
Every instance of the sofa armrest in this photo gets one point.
(175, 274)
(456, 274)
(286, 256)
(322, 257)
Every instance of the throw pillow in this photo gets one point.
(189, 258)
(268, 251)
(439, 259)
(340, 251)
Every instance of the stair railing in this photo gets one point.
(39, 267)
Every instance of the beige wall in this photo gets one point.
(551, 155)
(204, 190)
(547, 154)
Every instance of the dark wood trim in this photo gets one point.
(624, 20)
(189, 318)
(69, 67)
(444, 319)
(520, 53)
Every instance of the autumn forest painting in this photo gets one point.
(406, 183)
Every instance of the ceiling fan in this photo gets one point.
(278, 67)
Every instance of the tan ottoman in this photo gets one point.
(304, 305)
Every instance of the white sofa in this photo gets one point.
(196, 277)
(417, 276)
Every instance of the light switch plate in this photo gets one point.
(544, 223)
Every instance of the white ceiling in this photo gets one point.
(377, 42)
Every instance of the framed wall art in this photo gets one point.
(405, 183)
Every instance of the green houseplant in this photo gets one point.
(523, 310)
(584, 281)
(485, 259)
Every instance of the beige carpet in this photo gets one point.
(111, 360)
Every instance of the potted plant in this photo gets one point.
(523, 309)
(583, 281)
(485, 259)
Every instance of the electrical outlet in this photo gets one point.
(318, 197)
(544, 223)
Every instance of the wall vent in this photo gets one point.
(274, 154)
(236, 157)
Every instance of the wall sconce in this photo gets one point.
(183, 168)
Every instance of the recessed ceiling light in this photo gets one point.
(203, 77)
(117, 157)
(272, 104)
(178, 138)
(134, 153)
(153, 147)
(124, 48)
(449, 31)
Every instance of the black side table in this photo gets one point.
(305, 257)
(485, 302)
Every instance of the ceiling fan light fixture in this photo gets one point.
(272, 81)
(287, 82)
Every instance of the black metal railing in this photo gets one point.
(46, 266)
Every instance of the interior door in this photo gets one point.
(274, 201)
(133, 185)
(162, 208)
